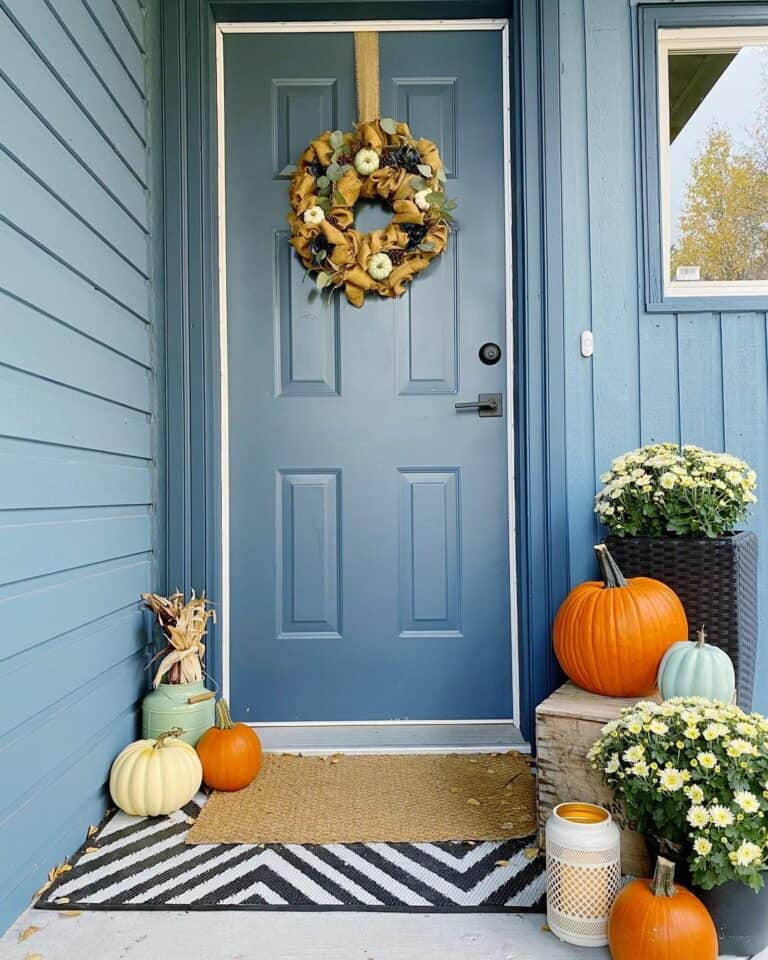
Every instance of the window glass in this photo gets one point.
(714, 158)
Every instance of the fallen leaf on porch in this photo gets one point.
(531, 853)
(545, 927)
(502, 863)
(473, 803)
(27, 932)
(92, 849)
(92, 830)
(53, 874)
(189, 820)
(70, 913)
(34, 956)
(473, 759)
(61, 900)
(335, 760)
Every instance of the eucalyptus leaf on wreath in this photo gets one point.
(337, 139)
(425, 170)
(334, 172)
(418, 183)
(322, 280)
(388, 125)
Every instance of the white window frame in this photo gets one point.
(703, 39)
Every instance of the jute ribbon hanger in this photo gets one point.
(367, 75)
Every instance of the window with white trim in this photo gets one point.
(713, 160)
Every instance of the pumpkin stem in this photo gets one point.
(609, 569)
(162, 737)
(701, 636)
(663, 883)
(223, 716)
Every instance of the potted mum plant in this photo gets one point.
(671, 513)
(179, 697)
(692, 775)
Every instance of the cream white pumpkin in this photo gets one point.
(154, 777)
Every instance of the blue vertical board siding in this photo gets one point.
(577, 282)
(690, 377)
(78, 399)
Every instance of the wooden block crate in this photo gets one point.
(567, 724)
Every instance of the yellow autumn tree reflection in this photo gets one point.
(724, 219)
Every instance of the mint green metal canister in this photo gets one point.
(168, 707)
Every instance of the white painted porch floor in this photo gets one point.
(288, 936)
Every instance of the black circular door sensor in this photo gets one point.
(490, 353)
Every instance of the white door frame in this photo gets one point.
(476, 735)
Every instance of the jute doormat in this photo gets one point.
(388, 798)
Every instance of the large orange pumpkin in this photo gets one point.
(610, 636)
(229, 752)
(659, 920)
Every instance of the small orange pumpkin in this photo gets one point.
(610, 636)
(229, 752)
(658, 920)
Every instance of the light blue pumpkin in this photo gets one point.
(697, 669)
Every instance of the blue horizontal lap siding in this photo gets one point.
(77, 404)
(686, 377)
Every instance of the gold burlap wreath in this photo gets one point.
(380, 159)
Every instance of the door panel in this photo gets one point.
(369, 559)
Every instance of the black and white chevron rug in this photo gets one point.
(137, 863)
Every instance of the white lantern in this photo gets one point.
(583, 872)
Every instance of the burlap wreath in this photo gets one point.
(379, 159)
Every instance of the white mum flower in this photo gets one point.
(634, 753)
(692, 733)
(667, 480)
(707, 759)
(640, 769)
(634, 723)
(721, 816)
(738, 748)
(420, 199)
(747, 854)
(613, 764)
(659, 727)
(698, 817)
(671, 780)
(647, 706)
(366, 161)
(746, 729)
(747, 801)
(314, 215)
(695, 794)
(713, 731)
(702, 846)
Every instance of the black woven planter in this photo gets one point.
(716, 581)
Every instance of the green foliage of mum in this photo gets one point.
(665, 490)
(694, 772)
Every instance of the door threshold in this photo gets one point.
(311, 738)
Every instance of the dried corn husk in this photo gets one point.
(184, 626)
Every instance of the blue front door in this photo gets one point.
(369, 545)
